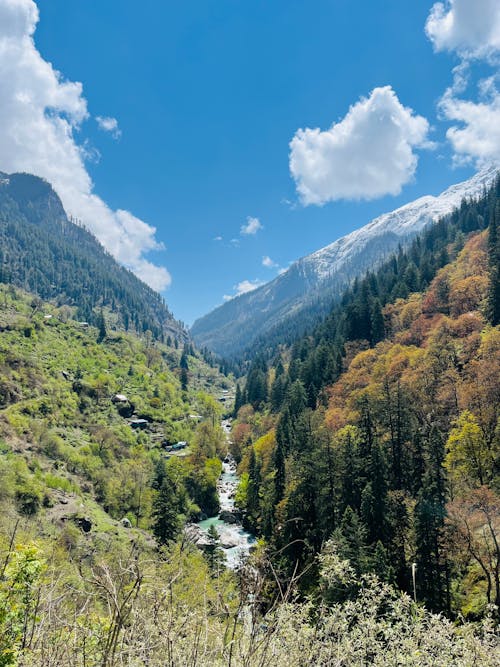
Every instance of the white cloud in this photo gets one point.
(40, 116)
(247, 286)
(217, 238)
(243, 287)
(367, 154)
(251, 226)
(109, 124)
(477, 135)
(470, 27)
(268, 262)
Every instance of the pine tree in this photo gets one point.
(184, 378)
(381, 565)
(429, 517)
(213, 553)
(493, 302)
(278, 392)
(374, 496)
(279, 474)
(166, 520)
(254, 481)
(101, 324)
(350, 538)
(377, 330)
(239, 400)
(184, 363)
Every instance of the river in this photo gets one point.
(235, 541)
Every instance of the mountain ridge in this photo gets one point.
(317, 279)
(54, 257)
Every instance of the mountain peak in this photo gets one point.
(48, 255)
(320, 277)
(34, 197)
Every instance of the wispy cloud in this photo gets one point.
(243, 287)
(251, 227)
(268, 262)
(109, 124)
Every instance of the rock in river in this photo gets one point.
(229, 517)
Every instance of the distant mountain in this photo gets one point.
(45, 253)
(300, 295)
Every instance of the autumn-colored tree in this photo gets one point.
(468, 458)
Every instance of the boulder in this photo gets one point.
(228, 543)
(229, 517)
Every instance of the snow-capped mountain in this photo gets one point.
(321, 276)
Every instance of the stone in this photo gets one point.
(229, 517)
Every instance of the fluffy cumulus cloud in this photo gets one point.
(40, 115)
(472, 30)
(251, 227)
(367, 154)
(475, 134)
(470, 27)
(109, 124)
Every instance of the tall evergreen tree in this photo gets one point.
(429, 519)
(101, 324)
(493, 303)
(166, 519)
(377, 328)
(213, 552)
(239, 399)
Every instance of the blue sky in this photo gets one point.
(207, 96)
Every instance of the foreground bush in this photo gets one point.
(170, 612)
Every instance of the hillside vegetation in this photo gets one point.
(368, 455)
(81, 587)
(379, 434)
(86, 414)
(45, 253)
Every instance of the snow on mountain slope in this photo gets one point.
(325, 273)
(405, 221)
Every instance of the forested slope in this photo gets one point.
(45, 253)
(82, 494)
(379, 433)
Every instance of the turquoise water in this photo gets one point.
(235, 540)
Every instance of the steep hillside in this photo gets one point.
(47, 254)
(86, 417)
(378, 436)
(296, 299)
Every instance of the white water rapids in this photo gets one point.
(235, 540)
